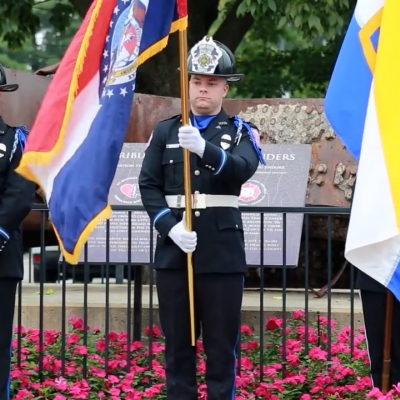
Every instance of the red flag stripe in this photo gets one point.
(182, 8)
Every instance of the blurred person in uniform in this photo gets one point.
(224, 154)
(373, 298)
(16, 197)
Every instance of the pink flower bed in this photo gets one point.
(306, 377)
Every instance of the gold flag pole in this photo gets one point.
(186, 169)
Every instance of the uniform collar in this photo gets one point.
(218, 124)
(221, 116)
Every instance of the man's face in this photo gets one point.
(206, 94)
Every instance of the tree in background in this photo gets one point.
(285, 47)
(43, 44)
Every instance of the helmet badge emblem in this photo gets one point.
(205, 56)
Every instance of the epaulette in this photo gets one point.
(21, 133)
(251, 128)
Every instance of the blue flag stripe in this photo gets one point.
(347, 97)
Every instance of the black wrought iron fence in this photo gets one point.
(99, 319)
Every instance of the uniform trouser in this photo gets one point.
(374, 306)
(8, 289)
(218, 300)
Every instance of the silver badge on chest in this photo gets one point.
(225, 141)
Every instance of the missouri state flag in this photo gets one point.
(362, 105)
(73, 148)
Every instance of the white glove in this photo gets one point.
(190, 138)
(184, 239)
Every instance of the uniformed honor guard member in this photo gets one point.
(373, 299)
(16, 197)
(224, 154)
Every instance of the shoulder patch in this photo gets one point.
(253, 134)
(256, 136)
(21, 134)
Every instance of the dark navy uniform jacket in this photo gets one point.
(365, 282)
(16, 197)
(220, 238)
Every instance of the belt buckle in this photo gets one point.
(178, 201)
(199, 201)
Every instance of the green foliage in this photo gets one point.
(59, 16)
(31, 51)
(19, 21)
(291, 48)
(299, 70)
(312, 18)
(21, 18)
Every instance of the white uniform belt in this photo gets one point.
(202, 201)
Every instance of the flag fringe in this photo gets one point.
(73, 258)
(179, 25)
